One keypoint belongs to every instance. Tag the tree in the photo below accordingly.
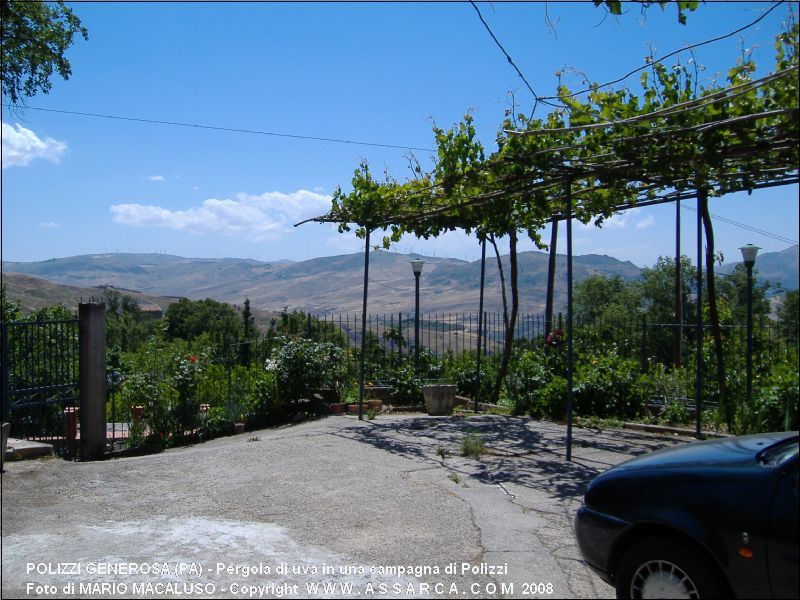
(126, 327)
(249, 334)
(9, 310)
(787, 316)
(35, 37)
(188, 319)
(605, 298)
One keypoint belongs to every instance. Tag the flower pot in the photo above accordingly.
(439, 399)
(337, 408)
(71, 423)
(375, 405)
(238, 428)
(136, 413)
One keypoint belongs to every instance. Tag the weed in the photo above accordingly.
(472, 445)
(442, 452)
(454, 478)
(371, 414)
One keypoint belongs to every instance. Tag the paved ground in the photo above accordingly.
(372, 504)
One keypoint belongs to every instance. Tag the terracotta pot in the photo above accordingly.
(136, 413)
(337, 408)
(238, 428)
(375, 405)
(71, 423)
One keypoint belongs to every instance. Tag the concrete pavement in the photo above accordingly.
(329, 508)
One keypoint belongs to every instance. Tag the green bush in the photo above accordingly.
(675, 413)
(775, 403)
(143, 389)
(551, 400)
(406, 387)
(185, 377)
(264, 406)
(216, 424)
(528, 375)
(605, 386)
(461, 370)
(303, 367)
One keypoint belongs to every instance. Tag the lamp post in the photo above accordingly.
(749, 253)
(416, 266)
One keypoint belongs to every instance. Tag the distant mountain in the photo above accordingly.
(781, 268)
(334, 284)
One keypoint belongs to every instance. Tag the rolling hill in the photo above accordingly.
(328, 284)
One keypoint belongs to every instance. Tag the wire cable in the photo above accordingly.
(228, 129)
(503, 50)
(745, 226)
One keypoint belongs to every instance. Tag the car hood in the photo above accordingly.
(716, 453)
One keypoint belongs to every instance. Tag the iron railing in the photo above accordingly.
(40, 381)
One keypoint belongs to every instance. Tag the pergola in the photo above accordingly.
(594, 168)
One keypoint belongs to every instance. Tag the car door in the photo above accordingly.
(782, 549)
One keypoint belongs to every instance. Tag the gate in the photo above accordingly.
(40, 382)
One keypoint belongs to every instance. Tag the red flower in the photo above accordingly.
(192, 358)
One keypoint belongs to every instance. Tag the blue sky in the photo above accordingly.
(380, 73)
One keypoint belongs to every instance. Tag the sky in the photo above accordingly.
(319, 88)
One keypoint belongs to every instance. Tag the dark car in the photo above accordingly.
(705, 520)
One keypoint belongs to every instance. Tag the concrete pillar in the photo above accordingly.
(92, 331)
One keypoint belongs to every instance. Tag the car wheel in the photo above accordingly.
(664, 568)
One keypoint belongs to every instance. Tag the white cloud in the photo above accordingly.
(50, 225)
(646, 222)
(156, 178)
(21, 146)
(266, 216)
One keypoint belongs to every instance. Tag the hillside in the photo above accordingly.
(329, 284)
(34, 293)
(781, 268)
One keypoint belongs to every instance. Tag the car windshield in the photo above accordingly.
(779, 453)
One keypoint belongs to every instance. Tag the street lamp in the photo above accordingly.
(416, 266)
(749, 253)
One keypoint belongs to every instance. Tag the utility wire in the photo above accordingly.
(503, 50)
(745, 226)
(228, 129)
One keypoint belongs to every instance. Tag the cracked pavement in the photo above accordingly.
(374, 507)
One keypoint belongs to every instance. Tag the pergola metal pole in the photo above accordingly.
(570, 359)
(749, 253)
(416, 323)
(480, 324)
(363, 330)
(698, 385)
(678, 308)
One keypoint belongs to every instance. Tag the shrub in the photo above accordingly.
(528, 375)
(216, 424)
(406, 388)
(774, 406)
(675, 413)
(143, 389)
(185, 376)
(302, 367)
(605, 386)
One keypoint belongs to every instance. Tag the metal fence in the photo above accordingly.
(440, 333)
(40, 381)
(457, 333)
